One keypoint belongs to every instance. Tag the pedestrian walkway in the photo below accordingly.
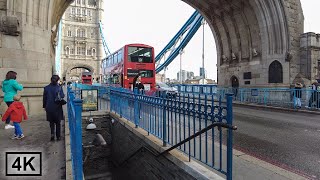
(37, 138)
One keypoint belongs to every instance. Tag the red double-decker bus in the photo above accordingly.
(86, 78)
(119, 68)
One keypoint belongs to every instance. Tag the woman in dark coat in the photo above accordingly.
(53, 110)
(137, 82)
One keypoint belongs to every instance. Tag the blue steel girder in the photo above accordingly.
(172, 42)
(195, 25)
(104, 43)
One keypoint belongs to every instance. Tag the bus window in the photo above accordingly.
(115, 79)
(139, 54)
(144, 73)
(119, 56)
(115, 58)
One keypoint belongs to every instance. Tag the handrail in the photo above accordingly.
(219, 124)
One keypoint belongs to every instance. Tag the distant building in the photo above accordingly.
(199, 81)
(160, 78)
(185, 75)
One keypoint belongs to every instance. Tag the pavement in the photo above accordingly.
(37, 139)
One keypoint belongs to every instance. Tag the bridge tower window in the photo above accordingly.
(83, 12)
(81, 33)
(67, 50)
(275, 72)
(78, 1)
(69, 33)
(83, 2)
(78, 11)
(71, 51)
(89, 52)
(73, 10)
(93, 52)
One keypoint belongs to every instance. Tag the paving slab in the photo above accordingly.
(37, 139)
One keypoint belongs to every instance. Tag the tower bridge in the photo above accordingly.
(260, 43)
(253, 37)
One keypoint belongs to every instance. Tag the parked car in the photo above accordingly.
(163, 87)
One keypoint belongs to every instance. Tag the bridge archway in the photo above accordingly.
(250, 34)
(68, 73)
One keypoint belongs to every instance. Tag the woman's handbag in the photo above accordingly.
(59, 100)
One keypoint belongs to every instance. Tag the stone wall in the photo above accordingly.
(143, 164)
(310, 56)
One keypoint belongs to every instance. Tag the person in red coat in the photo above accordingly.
(16, 111)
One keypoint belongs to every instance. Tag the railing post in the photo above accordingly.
(294, 97)
(164, 121)
(136, 107)
(78, 140)
(230, 134)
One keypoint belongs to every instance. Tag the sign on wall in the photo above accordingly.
(89, 99)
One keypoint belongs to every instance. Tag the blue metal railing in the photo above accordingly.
(174, 119)
(74, 106)
(276, 97)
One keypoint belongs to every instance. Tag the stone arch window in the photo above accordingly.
(67, 49)
(93, 52)
(275, 72)
(83, 2)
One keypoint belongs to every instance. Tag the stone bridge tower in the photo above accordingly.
(81, 41)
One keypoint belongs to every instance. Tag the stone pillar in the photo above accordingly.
(28, 29)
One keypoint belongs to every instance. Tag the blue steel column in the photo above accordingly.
(78, 140)
(230, 138)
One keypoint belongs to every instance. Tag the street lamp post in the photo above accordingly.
(165, 68)
(203, 76)
(181, 51)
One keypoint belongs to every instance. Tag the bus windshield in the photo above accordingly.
(139, 54)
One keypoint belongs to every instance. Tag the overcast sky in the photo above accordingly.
(155, 22)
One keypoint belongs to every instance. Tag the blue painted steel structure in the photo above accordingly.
(74, 106)
(104, 43)
(192, 25)
(175, 38)
(175, 119)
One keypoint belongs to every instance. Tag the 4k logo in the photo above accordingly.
(23, 164)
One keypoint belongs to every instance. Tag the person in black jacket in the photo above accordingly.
(53, 109)
(297, 95)
(137, 82)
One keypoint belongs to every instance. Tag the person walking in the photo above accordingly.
(53, 109)
(313, 97)
(297, 95)
(10, 88)
(17, 111)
